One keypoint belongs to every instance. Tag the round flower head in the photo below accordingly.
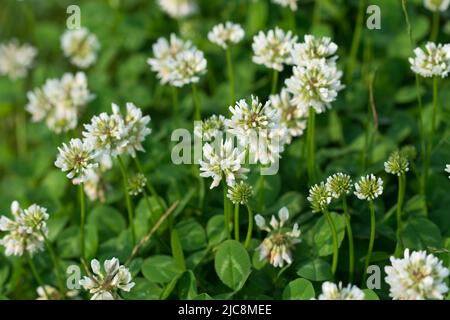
(314, 48)
(225, 34)
(416, 276)
(447, 169)
(369, 187)
(240, 193)
(136, 184)
(315, 84)
(80, 46)
(331, 291)
(436, 5)
(178, 9)
(222, 162)
(211, 128)
(187, 67)
(397, 164)
(292, 4)
(76, 159)
(16, 59)
(26, 232)
(277, 246)
(273, 49)
(433, 62)
(104, 284)
(319, 197)
(339, 184)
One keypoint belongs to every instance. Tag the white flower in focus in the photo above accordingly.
(273, 49)
(178, 9)
(104, 283)
(223, 162)
(80, 46)
(369, 187)
(292, 4)
(319, 197)
(16, 59)
(436, 5)
(416, 276)
(434, 61)
(339, 184)
(277, 246)
(397, 164)
(210, 128)
(331, 291)
(240, 193)
(314, 48)
(225, 34)
(187, 67)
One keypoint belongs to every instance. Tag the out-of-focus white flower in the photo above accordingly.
(136, 184)
(273, 49)
(26, 232)
(292, 4)
(314, 48)
(447, 169)
(277, 246)
(211, 128)
(369, 187)
(80, 46)
(331, 291)
(436, 5)
(397, 164)
(104, 283)
(315, 84)
(222, 162)
(434, 61)
(292, 118)
(16, 59)
(77, 159)
(178, 9)
(51, 293)
(416, 276)
(339, 184)
(225, 34)
(319, 197)
(187, 67)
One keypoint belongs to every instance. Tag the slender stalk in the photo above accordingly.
(371, 240)
(351, 250)
(335, 240)
(236, 221)
(37, 276)
(82, 218)
(435, 27)
(175, 101)
(316, 14)
(149, 184)
(250, 226)
(400, 199)
(261, 203)
(147, 202)
(274, 81)
(197, 108)
(225, 210)
(355, 41)
(230, 76)
(291, 17)
(310, 146)
(127, 199)
(56, 264)
(21, 133)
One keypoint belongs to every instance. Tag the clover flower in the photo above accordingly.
(434, 61)
(225, 34)
(331, 291)
(397, 164)
(315, 84)
(26, 232)
(447, 169)
(292, 4)
(212, 127)
(104, 283)
(80, 46)
(314, 48)
(339, 184)
(240, 193)
(16, 59)
(136, 184)
(187, 67)
(77, 159)
(369, 187)
(278, 244)
(273, 49)
(178, 9)
(436, 5)
(223, 162)
(416, 276)
(319, 197)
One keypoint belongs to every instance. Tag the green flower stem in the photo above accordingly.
(127, 199)
(225, 210)
(400, 199)
(261, 183)
(335, 240)
(197, 107)
(291, 18)
(356, 40)
(21, 133)
(371, 240)
(175, 101)
(351, 250)
(250, 226)
(435, 27)
(274, 81)
(316, 14)
(230, 76)
(147, 202)
(310, 146)
(236, 221)
(56, 264)
(36, 275)
(149, 184)
(82, 218)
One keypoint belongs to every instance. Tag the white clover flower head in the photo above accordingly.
(369, 187)
(104, 283)
(273, 49)
(434, 61)
(397, 164)
(76, 158)
(319, 197)
(80, 46)
(222, 162)
(277, 246)
(416, 276)
(187, 67)
(292, 118)
(226, 34)
(292, 4)
(339, 184)
(16, 59)
(26, 232)
(240, 193)
(436, 5)
(211, 128)
(447, 169)
(178, 9)
(331, 291)
(136, 184)
(315, 84)
(314, 48)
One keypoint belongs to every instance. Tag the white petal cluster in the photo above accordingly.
(51, 293)
(225, 34)
(319, 197)
(292, 4)
(59, 102)
(339, 184)
(211, 128)
(273, 49)
(277, 246)
(26, 232)
(16, 59)
(104, 283)
(436, 5)
(178, 9)
(434, 61)
(331, 291)
(397, 164)
(80, 46)
(222, 161)
(314, 48)
(188, 66)
(447, 169)
(416, 276)
(369, 187)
